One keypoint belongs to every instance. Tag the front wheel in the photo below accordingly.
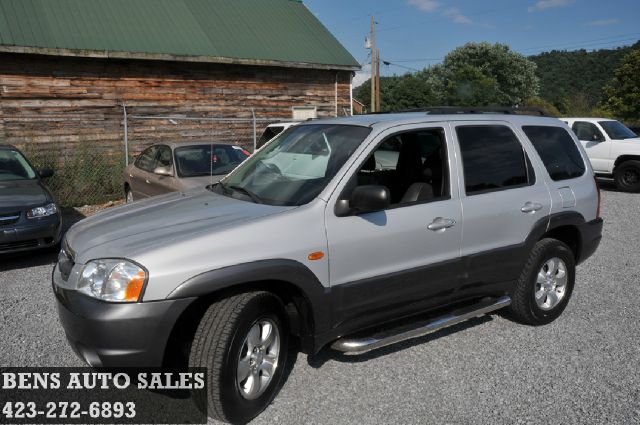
(243, 341)
(627, 176)
(128, 196)
(545, 284)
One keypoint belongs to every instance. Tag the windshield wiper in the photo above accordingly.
(255, 198)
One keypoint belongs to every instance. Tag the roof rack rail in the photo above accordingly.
(508, 110)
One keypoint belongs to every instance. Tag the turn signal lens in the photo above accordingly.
(318, 255)
(134, 288)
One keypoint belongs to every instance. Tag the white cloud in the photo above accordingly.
(362, 76)
(457, 17)
(549, 4)
(425, 5)
(602, 22)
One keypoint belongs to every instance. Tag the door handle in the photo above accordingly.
(147, 180)
(440, 223)
(531, 207)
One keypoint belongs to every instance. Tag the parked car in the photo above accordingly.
(272, 130)
(172, 167)
(29, 216)
(614, 150)
(309, 239)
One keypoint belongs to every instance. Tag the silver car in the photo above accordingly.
(313, 238)
(180, 166)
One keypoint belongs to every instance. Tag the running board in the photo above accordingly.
(354, 346)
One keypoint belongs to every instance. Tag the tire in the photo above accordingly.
(223, 337)
(128, 196)
(627, 176)
(536, 300)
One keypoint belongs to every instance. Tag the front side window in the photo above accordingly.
(616, 130)
(147, 159)
(412, 165)
(492, 158)
(295, 167)
(204, 160)
(14, 166)
(587, 131)
(557, 150)
(164, 157)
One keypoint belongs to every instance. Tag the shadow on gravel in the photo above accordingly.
(327, 353)
(608, 185)
(40, 257)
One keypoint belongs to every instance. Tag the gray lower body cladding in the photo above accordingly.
(118, 335)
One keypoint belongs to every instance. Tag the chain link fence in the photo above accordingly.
(89, 169)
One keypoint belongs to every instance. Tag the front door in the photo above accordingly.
(404, 259)
(159, 183)
(595, 143)
(142, 172)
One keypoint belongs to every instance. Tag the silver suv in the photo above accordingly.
(315, 238)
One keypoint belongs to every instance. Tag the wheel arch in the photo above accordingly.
(564, 227)
(305, 299)
(624, 158)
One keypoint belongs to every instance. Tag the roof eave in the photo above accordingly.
(106, 54)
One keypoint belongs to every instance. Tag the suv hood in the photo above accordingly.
(124, 231)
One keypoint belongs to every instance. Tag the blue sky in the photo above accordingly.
(412, 34)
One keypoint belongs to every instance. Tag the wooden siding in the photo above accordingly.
(57, 103)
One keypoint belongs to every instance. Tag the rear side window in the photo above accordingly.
(557, 150)
(492, 158)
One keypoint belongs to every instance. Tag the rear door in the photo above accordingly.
(502, 200)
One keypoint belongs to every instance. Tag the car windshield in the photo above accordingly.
(14, 166)
(616, 130)
(204, 160)
(295, 167)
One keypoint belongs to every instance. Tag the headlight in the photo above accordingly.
(112, 280)
(44, 211)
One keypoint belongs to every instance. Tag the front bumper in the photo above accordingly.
(118, 335)
(29, 234)
(591, 233)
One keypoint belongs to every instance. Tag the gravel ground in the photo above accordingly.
(583, 368)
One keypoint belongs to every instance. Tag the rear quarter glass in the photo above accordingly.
(557, 150)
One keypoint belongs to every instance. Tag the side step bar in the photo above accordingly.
(354, 346)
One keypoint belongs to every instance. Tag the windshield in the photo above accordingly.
(204, 160)
(14, 166)
(295, 167)
(616, 130)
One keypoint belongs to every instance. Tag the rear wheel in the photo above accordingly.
(627, 176)
(545, 285)
(243, 341)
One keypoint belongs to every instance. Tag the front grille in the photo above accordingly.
(19, 245)
(9, 218)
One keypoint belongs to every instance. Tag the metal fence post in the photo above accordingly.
(126, 136)
(255, 140)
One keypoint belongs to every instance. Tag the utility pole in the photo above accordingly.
(377, 80)
(373, 65)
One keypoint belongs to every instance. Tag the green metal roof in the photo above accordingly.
(277, 32)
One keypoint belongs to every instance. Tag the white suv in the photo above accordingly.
(613, 149)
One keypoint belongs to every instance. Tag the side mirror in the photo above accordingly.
(364, 199)
(163, 171)
(45, 173)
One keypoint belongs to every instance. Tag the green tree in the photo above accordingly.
(623, 92)
(479, 74)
